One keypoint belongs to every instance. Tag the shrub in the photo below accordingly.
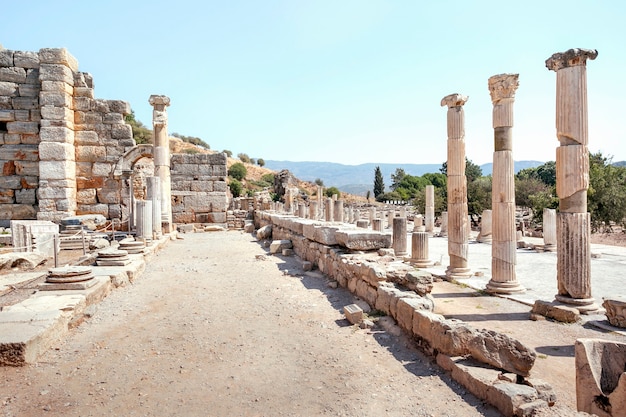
(236, 187)
(238, 171)
(243, 157)
(332, 190)
(228, 153)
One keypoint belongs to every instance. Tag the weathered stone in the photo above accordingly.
(419, 281)
(501, 351)
(362, 239)
(556, 311)
(278, 245)
(8, 88)
(353, 313)
(58, 56)
(615, 311)
(13, 75)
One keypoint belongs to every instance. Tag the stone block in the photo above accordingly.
(56, 134)
(6, 57)
(13, 74)
(102, 169)
(18, 211)
(56, 151)
(24, 116)
(8, 89)
(7, 115)
(86, 137)
(28, 128)
(83, 103)
(87, 196)
(109, 195)
(29, 139)
(28, 90)
(112, 118)
(119, 106)
(25, 103)
(7, 196)
(57, 170)
(10, 182)
(216, 217)
(362, 239)
(556, 311)
(19, 153)
(615, 311)
(353, 313)
(84, 92)
(201, 186)
(26, 59)
(601, 377)
(26, 196)
(53, 98)
(278, 245)
(121, 131)
(58, 56)
(419, 281)
(55, 72)
(88, 153)
(27, 169)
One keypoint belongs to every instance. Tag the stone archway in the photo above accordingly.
(132, 168)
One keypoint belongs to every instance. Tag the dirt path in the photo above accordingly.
(216, 327)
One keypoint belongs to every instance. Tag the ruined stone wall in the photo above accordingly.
(58, 143)
(199, 189)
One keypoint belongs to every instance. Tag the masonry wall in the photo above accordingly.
(199, 189)
(58, 143)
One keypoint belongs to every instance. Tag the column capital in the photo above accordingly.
(454, 100)
(156, 100)
(570, 58)
(503, 86)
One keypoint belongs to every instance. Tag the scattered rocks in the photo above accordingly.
(556, 311)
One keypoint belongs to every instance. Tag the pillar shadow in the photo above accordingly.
(564, 350)
(490, 317)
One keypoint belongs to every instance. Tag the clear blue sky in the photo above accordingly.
(341, 81)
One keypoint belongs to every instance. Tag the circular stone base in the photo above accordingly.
(496, 287)
(583, 305)
(458, 272)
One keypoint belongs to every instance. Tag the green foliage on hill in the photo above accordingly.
(238, 171)
(141, 133)
(332, 190)
(192, 139)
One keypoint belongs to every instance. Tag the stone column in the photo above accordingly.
(549, 230)
(144, 220)
(338, 211)
(486, 231)
(429, 212)
(443, 230)
(399, 238)
(419, 250)
(390, 216)
(313, 210)
(372, 214)
(329, 210)
(153, 192)
(301, 210)
(572, 178)
(457, 188)
(504, 243)
(320, 201)
(377, 225)
(162, 157)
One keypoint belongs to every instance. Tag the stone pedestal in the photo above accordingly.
(313, 210)
(504, 241)
(328, 210)
(572, 179)
(485, 235)
(153, 191)
(301, 210)
(418, 223)
(549, 230)
(377, 225)
(429, 212)
(338, 211)
(372, 214)
(390, 216)
(419, 250)
(162, 157)
(457, 188)
(399, 242)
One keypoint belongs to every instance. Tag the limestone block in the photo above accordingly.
(87, 117)
(53, 98)
(86, 137)
(13, 74)
(101, 209)
(59, 87)
(26, 59)
(25, 103)
(119, 106)
(419, 281)
(600, 377)
(264, 232)
(7, 115)
(121, 131)
(57, 170)
(405, 311)
(87, 153)
(27, 169)
(363, 239)
(83, 92)
(217, 217)
(8, 89)
(56, 134)
(87, 196)
(83, 103)
(29, 139)
(24, 116)
(26, 196)
(102, 169)
(7, 196)
(615, 311)
(353, 313)
(55, 72)
(55, 193)
(28, 128)
(501, 351)
(30, 181)
(112, 118)
(56, 151)
(11, 139)
(6, 57)
(278, 245)
(10, 182)
(201, 186)
(58, 56)
(18, 211)
(556, 311)
(28, 90)
(84, 169)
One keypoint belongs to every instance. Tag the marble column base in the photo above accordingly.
(509, 287)
(458, 273)
(583, 305)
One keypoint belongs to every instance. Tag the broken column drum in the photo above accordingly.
(419, 250)
(443, 231)
(429, 211)
(549, 230)
(153, 192)
(143, 209)
(503, 280)
(486, 230)
(572, 179)
(328, 210)
(399, 239)
(338, 211)
(313, 210)
(458, 228)
(162, 157)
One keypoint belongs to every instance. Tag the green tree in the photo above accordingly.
(141, 133)
(397, 177)
(243, 157)
(379, 185)
(368, 195)
(260, 162)
(236, 187)
(252, 161)
(606, 197)
(479, 195)
(228, 153)
(332, 190)
(238, 171)
(319, 182)
(545, 173)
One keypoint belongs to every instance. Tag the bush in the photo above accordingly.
(332, 190)
(236, 187)
(269, 178)
(228, 153)
(243, 157)
(260, 162)
(238, 171)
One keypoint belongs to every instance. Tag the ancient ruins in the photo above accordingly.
(69, 158)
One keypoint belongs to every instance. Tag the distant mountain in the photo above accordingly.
(620, 164)
(358, 179)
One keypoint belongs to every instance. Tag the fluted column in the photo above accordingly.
(143, 208)
(572, 178)
(399, 237)
(153, 193)
(162, 157)
(429, 212)
(328, 210)
(504, 243)
(443, 232)
(486, 227)
(313, 210)
(458, 230)
(338, 211)
(419, 250)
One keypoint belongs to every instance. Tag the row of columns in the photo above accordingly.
(572, 162)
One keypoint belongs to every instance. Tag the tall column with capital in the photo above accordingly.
(162, 157)
(504, 243)
(572, 179)
(458, 230)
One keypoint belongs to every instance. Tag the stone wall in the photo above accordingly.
(199, 189)
(58, 143)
